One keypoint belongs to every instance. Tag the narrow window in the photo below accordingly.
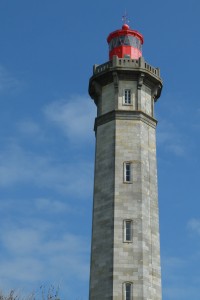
(128, 291)
(127, 96)
(128, 231)
(127, 172)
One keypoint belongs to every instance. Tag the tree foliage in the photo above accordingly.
(44, 293)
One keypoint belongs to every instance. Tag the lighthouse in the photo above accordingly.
(125, 249)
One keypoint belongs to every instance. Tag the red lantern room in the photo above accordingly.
(125, 43)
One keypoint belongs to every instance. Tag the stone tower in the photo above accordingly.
(125, 252)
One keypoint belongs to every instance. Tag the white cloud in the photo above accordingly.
(25, 241)
(7, 81)
(173, 262)
(29, 128)
(52, 206)
(176, 149)
(171, 267)
(18, 166)
(194, 225)
(34, 254)
(18, 269)
(37, 239)
(74, 116)
(21, 240)
(182, 292)
(177, 286)
(21, 166)
(169, 138)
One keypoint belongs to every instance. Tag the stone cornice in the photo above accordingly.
(125, 115)
(125, 69)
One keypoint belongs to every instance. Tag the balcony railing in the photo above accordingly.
(126, 63)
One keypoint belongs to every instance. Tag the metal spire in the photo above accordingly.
(125, 18)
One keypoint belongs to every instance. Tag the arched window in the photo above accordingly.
(128, 231)
(128, 291)
(128, 172)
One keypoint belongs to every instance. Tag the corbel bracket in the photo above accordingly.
(95, 91)
(156, 92)
(140, 81)
(115, 80)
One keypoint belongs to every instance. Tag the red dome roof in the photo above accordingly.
(125, 27)
(125, 31)
(125, 42)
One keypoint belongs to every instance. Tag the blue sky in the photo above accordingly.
(47, 50)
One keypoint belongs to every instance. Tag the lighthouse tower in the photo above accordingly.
(125, 251)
